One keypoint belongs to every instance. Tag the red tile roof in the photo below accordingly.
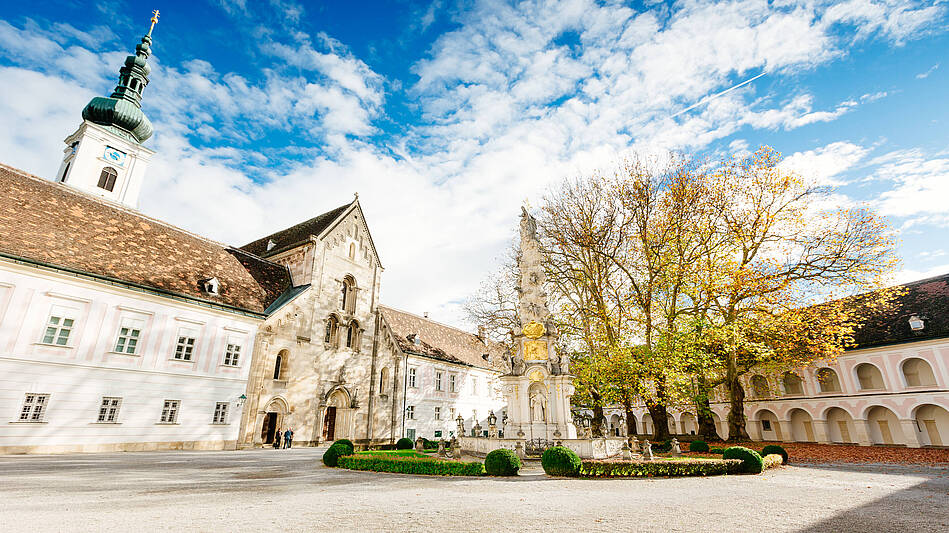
(442, 342)
(53, 224)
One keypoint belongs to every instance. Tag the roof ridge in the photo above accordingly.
(430, 320)
(115, 205)
(311, 219)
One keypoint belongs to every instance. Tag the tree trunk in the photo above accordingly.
(736, 395)
(703, 411)
(596, 426)
(660, 421)
(631, 428)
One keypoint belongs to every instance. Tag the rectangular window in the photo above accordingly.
(438, 413)
(410, 434)
(220, 413)
(451, 383)
(109, 410)
(169, 412)
(129, 334)
(184, 348)
(474, 386)
(412, 375)
(58, 328)
(232, 355)
(34, 407)
(438, 381)
(410, 412)
(766, 425)
(438, 434)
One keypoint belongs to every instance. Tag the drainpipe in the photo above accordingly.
(405, 388)
(372, 377)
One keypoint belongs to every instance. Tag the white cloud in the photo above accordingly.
(918, 185)
(515, 99)
(924, 75)
(825, 164)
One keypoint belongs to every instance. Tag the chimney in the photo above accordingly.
(481, 332)
(425, 314)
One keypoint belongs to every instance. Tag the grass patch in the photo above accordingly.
(428, 466)
(393, 453)
(665, 468)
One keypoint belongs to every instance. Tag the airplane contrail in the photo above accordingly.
(714, 96)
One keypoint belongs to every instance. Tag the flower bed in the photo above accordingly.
(392, 453)
(677, 468)
(411, 465)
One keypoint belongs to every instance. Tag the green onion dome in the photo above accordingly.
(121, 112)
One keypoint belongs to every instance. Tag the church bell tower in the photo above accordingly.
(105, 155)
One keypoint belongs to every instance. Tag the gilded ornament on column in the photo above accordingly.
(536, 375)
(534, 330)
(535, 350)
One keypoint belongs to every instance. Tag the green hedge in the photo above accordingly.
(772, 460)
(560, 461)
(411, 465)
(699, 446)
(774, 448)
(752, 463)
(659, 468)
(716, 450)
(337, 450)
(404, 443)
(502, 462)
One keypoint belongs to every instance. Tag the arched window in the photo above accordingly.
(383, 380)
(348, 300)
(869, 377)
(332, 331)
(759, 386)
(827, 379)
(918, 373)
(352, 335)
(792, 383)
(281, 365)
(352, 251)
(107, 178)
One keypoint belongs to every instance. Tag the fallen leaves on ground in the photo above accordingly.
(803, 452)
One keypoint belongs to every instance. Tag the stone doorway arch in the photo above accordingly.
(272, 419)
(337, 415)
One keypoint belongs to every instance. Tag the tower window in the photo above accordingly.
(107, 178)
(65, 171)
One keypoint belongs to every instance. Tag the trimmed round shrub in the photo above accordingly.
(404, 443)
(560, 461)
(337, 450)
(774, 448)
(751, 461)
(346, 442)
(502, 462)
(699, 446)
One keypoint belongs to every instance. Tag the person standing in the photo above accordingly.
(288, 438)
(276, 440)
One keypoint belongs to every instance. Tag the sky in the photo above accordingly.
(447, 116)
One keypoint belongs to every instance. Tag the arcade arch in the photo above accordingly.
(840, 426)
(918, 373)
(802, 426)
(883, 426)
(869, 377)
(932, 425)
(769, 425)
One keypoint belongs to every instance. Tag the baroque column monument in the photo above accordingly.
(539, 386)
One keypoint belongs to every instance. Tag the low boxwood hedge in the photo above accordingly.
(337, 450)
(404, 443)
(774, 448)
(699, 446)
(502, 462)
(752, 463)
(716, 450)
(659, 468)
(411, 465)
(560, 461)
(772, 460)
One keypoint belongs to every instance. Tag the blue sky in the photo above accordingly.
(446, 116)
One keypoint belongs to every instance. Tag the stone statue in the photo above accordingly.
(647, 450)
(634, 444)
(676, 451)
(441, 448)
(518, 366)
(532, 304)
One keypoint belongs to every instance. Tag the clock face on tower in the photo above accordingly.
(116, 157)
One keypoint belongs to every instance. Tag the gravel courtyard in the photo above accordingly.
(290, 490)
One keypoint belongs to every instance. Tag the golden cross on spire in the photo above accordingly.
(154, 21)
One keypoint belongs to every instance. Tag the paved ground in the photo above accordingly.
(290, 490)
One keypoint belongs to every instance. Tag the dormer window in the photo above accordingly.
(211, 286)
(416, 340)
(916, 323)
(271, 245)
(106, 178)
